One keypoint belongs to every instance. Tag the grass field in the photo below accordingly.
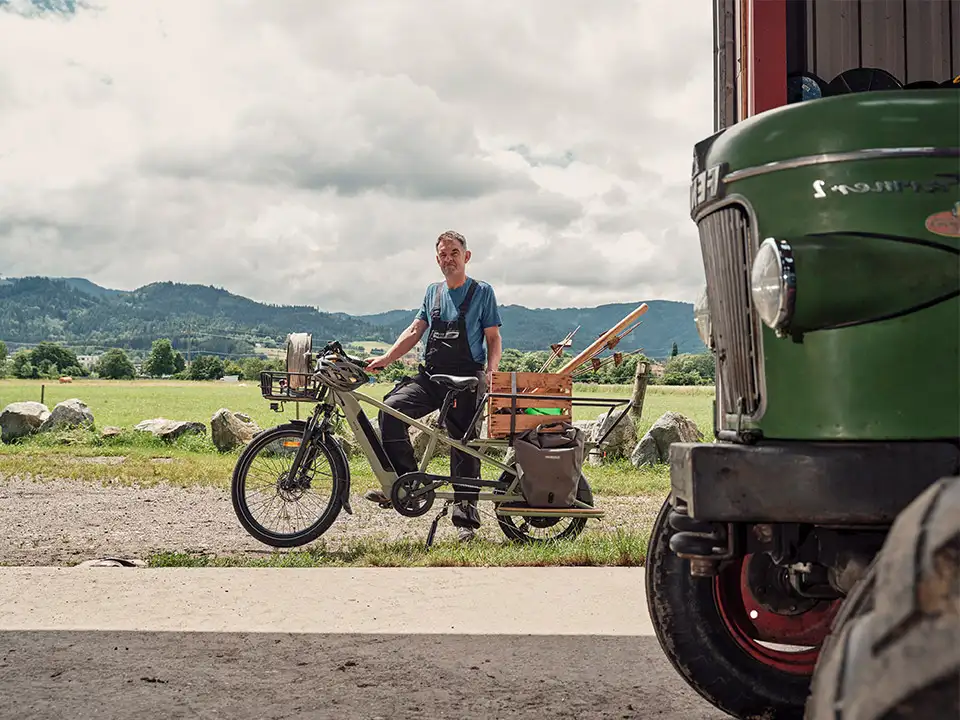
(193, 460)
(125, 403)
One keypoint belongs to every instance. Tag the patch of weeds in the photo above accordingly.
(619, 548)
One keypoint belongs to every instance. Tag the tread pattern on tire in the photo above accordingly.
(242, 512)
(894, 649)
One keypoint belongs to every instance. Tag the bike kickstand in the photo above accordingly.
(436, 521)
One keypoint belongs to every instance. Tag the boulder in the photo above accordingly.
(111, 431)
(69, 413)
(20, 419)
(419, 439)
(348, 444)
(654, 446)
(585, 425)
(619, 442)
(170, 429)
(230, 430)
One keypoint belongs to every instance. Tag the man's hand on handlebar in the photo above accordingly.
(375, 364)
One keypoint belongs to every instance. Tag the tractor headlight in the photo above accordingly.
(701, 317)
(774, 283)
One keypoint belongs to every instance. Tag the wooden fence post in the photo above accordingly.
(640, 378)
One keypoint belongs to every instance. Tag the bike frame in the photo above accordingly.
(376, 454)
(372, 448)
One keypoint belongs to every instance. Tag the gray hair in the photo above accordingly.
(452, 235)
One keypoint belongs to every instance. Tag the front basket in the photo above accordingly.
(290, 386)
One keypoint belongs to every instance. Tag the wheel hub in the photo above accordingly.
(754, 625)
(290, 489)
(769, 586)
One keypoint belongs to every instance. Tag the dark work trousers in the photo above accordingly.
(419, 396)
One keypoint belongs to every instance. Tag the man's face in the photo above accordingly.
(451, 257)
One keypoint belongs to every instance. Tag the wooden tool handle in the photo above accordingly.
(598, 344)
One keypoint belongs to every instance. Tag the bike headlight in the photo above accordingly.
(774, 283)
(701, 317)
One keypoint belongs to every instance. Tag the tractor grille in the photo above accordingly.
(728, 246)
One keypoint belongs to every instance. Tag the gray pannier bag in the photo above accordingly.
(550, 464)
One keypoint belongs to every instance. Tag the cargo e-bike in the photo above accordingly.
(282, 469)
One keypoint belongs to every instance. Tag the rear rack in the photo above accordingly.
(291, 386)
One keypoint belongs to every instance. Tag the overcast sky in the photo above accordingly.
(310, 151)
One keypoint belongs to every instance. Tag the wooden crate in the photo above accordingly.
(526, 393)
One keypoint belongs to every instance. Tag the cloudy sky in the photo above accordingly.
(310, 151)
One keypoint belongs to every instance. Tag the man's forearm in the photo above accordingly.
(494, 350)
(408, 338)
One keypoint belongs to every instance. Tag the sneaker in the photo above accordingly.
(466, 534)
(377, 496)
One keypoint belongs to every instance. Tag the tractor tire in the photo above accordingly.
(709, 651)
(894, 649)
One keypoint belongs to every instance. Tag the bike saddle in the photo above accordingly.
(456, 382)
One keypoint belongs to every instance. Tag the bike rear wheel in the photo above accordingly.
(263, 468)
(534, 530)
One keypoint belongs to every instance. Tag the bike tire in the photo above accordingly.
(238, 480)
(513, 532)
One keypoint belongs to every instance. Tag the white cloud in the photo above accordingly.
(309, 151)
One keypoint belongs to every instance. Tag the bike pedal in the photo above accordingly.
(385, 505)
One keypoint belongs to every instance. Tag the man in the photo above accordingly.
(461, 315)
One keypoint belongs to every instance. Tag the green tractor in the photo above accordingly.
(807, 562)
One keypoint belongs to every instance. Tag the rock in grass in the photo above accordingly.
(669, 428)
(20, 419)
(349, 444)
(420, 440)
(111, 431)
(230, 429)
(69, 413)
(170, 429)
(619, 433)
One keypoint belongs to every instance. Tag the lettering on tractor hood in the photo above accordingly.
(942, 182)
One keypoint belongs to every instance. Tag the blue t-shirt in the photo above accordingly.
(482, 313)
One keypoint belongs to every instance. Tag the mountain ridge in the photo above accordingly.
(79, 312)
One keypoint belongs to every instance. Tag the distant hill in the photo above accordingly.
(90, 288)
(82, 314)
(195, 317)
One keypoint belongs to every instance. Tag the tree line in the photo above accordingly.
(680, 369)
(50, 360)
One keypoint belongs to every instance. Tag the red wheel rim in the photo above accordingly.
(749, 624)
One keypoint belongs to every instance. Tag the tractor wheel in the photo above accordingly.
(894, 651)
(746, 660)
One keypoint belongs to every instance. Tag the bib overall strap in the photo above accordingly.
(435, 310)
(466, 301)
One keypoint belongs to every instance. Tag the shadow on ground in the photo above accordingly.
(258, 676)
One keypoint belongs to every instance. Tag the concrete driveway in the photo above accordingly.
(333, 643)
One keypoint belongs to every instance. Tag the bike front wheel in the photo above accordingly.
(264, 493)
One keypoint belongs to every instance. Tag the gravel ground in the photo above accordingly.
(252, 676)
(64, 522)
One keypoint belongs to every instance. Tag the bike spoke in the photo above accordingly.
(279, 503)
